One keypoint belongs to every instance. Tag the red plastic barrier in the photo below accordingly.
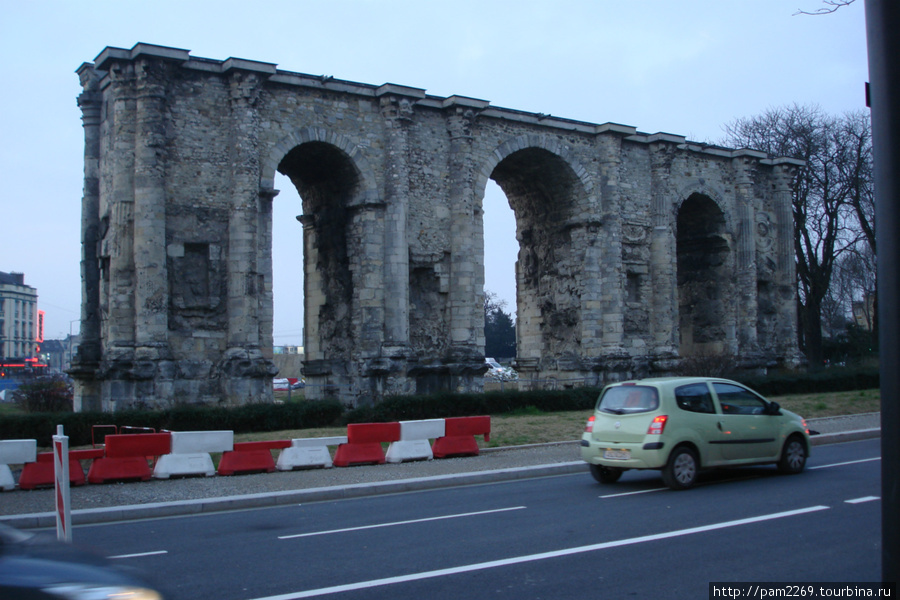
(459, 436)
(126, 457)
(250, 457)
(364, 441)
(40, 474)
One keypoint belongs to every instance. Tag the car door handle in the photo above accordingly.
(719, 425)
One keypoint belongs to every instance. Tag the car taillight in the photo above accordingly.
(657, 426)
(589, 428)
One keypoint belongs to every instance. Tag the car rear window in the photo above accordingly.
(629, 399)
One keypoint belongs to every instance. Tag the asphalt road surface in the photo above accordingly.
(547, 538)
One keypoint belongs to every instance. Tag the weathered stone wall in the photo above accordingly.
(636, 250)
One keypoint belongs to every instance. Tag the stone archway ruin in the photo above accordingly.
(615, 276)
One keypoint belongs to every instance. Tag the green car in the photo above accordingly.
(680, 425)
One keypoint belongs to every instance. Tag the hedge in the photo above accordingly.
(308, 414)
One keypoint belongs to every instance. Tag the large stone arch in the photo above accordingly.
(547, 190)
(180, 161)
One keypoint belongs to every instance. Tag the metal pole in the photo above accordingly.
(882, 23)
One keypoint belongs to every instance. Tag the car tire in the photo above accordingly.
(793, 456)
(682, 469)
(606, 474)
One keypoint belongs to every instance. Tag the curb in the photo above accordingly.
(844, 436)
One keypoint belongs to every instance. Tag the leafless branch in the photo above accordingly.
(830, 7)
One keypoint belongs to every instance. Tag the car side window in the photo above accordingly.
(694, 398)
(629, 399)
(736, 400)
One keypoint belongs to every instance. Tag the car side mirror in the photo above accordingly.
(773, 409)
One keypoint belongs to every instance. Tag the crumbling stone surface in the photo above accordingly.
(636, 250)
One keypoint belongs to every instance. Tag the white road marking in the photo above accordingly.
(841, 464)
(863, 499)
(457, 516)
(140, 554)
(633, 493)
(536, 557)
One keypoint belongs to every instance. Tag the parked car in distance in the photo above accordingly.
(36, 566)
(498, 372)
(681, 425)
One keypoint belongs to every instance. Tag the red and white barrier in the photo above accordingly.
(250, 457)
(459, 436)
(413, 443)
(126, 457)
(364, 441)
(190, 454)
(40, 473)
(308, 453)
(14, 452)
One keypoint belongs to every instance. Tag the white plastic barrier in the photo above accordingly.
(413, 443)
(14, 452)
(190, 453)
(305, 453)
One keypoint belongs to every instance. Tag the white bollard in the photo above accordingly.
(190, 453)
(413, 443)
(14, 452)
(61, 469)
(306, 453)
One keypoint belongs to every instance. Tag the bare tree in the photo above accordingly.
(830, 7)
(835, 181)
(854, 284)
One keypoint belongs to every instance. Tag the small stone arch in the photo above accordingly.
(706, 282)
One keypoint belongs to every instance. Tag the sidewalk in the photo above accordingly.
(196, 495)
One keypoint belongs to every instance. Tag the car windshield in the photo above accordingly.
(624, 399)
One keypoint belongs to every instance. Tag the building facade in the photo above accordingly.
(20, 320)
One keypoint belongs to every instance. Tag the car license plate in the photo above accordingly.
(611, 454)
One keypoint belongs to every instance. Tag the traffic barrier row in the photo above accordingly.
(142, 456)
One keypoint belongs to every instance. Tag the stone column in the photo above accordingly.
(117, 246)
(244, 367)
(606, 308)
(152, 284)
(466, 236)
(745, 307)
(313, 291)
(87, 359)
(267, 299)
(397, 111)
(784, 174)
(663, 259)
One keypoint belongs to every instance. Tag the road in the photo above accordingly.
(554, 537)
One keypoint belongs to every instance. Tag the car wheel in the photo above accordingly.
(606, 474)
(793, 456)
(681, 471)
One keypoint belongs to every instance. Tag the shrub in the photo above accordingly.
(51, 393)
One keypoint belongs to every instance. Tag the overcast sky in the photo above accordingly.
(684, 67)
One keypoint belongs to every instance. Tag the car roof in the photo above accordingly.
(671, 381)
